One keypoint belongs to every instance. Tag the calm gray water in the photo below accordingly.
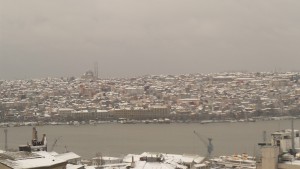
(122, 139)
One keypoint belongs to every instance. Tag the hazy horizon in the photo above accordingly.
(131, 38)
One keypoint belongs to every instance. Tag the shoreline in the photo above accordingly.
(146, 122)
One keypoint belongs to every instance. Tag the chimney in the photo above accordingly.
(44, 140)
(132, 163)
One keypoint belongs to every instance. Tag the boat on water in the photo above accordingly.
(92, 122)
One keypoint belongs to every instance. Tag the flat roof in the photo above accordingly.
(26, 160)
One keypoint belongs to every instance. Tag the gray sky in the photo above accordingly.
(40, 38)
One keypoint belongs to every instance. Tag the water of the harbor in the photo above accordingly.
(122, 139)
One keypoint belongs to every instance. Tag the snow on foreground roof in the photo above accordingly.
(185, 158)
(170, 159)
(68, 156)
(71, 166)
(296, 162)
(155, 165)
(35, 163)
(154, 160)
(26, 160)
(20, 160)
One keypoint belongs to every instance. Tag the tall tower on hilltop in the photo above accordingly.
(96, 70)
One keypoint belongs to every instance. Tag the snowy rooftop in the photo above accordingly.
(155, 165)
(174, 159)
(68, 156)
(296, 162)
(70, 166)
(24, 160)
(286, 131)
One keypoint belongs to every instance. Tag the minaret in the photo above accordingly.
(96, 70)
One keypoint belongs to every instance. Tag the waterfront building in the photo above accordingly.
(283, 139)
(153, 112)
(283, 152)
(88, 114)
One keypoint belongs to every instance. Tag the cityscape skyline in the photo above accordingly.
(157, 84)
(132, 38)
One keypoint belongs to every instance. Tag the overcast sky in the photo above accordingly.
(41, 38)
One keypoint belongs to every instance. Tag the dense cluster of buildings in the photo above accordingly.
(220, 96)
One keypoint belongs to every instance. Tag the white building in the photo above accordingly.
(283, 139)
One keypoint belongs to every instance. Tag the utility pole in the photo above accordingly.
(293, 138)
(5, 132)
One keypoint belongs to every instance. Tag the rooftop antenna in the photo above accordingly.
(66, 149)
(99, 160)
(54, 144)
(264, 137)
(5, 132)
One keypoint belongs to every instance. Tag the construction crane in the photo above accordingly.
(55, 141)
(207, 143)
